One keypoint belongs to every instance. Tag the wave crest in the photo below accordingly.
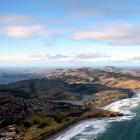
(91, 128)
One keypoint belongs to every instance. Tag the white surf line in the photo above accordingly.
(80, 128)
(100, 125)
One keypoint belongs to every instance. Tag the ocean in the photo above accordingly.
(7, 80)
(119, 128)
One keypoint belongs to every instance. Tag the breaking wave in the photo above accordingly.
(90, 129)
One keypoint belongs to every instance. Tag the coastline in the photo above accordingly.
(61, 131)
(95, 113)
(77, 122)
(67, 128)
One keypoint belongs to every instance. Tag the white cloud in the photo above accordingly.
(13, 59)
(83, 59)
(57, 56)
(122, 34)
(48, 57)
(88, 55)
(24, 32)
(134, 59)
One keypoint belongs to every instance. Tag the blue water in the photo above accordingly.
(119, 128)
(124, 130)
(7, 80)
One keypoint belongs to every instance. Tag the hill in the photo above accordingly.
(75, 94)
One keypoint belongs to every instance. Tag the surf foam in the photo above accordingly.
(91, 128)
(81, 129)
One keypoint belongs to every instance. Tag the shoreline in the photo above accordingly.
(67, 128)
(73, 124)
(94, 113)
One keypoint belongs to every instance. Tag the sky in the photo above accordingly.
(59, 33)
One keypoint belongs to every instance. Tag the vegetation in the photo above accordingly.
(41, 107)
(39, 127)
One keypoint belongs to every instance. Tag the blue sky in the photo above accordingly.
(69, 32)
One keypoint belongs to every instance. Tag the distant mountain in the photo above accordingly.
(55, 89)
(72, 84)
(110, 68)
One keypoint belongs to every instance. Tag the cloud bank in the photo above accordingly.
(120, 34)
(87, 56)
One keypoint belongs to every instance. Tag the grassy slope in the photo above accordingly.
(52, 89)
(60, 90)
(42, 126)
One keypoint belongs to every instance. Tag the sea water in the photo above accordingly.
(126, 127)
(7, 80)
